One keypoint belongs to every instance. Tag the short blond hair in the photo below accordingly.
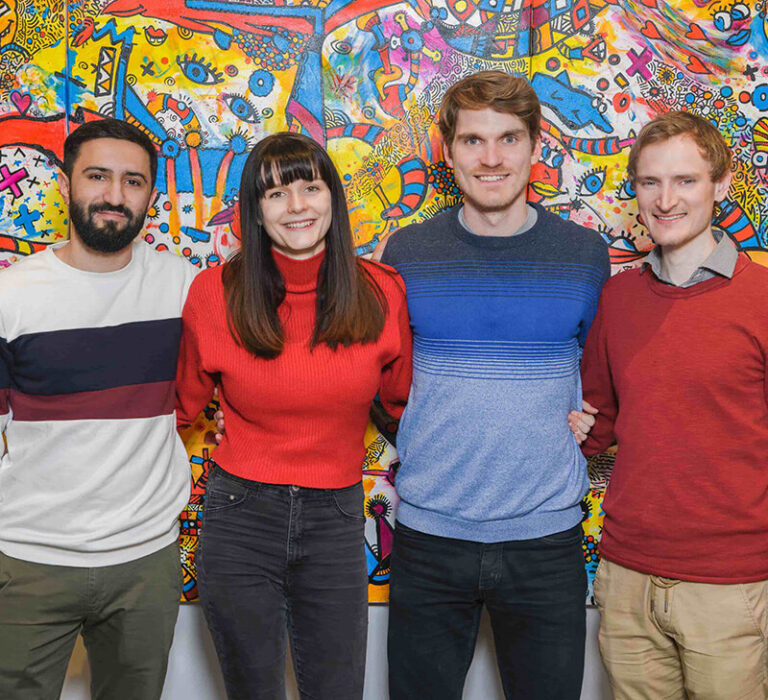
(665, 126)
(492, 89)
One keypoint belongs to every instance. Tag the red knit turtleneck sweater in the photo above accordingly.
(299, 418)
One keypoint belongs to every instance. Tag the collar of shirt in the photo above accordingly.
(531, 218)
(721, 261)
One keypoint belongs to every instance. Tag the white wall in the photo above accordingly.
(193, 671)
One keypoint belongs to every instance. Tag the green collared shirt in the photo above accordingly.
(721, 261)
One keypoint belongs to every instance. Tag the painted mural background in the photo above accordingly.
(206, 79)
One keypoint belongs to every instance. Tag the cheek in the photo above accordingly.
(270, 214)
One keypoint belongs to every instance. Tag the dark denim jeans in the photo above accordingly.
(273, 559)
(535, 594)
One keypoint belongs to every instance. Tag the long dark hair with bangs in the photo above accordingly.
(351, 306)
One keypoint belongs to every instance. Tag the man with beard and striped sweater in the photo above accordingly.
(95, 475)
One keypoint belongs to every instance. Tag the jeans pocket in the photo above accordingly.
(755, 597)
(596, 584)
(223, 493)
(350, 502)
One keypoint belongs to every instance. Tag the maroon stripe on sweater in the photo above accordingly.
(4, 393)
(134, 401)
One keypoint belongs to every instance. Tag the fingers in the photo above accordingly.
(588, 407)
(219, 418)
(580, 424)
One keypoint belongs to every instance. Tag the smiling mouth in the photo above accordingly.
(112, 214)
(491, 178)
(298, 225)
(668, 217)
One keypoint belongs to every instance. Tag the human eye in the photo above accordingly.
(273, 194)
(98, 177)
(510, 138)
(134, 182)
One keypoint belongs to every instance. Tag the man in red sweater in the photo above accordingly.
(675, 363)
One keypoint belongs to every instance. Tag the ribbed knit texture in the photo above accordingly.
(299, 418)
(484, 442)
(679, 376)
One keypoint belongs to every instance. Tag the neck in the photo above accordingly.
(496, 223)
(678, 263)
(77, 255)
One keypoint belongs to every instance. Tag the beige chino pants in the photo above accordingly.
(661, 638)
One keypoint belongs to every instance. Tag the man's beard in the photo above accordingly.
(110, 237)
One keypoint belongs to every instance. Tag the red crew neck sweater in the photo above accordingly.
(299, 418)
(679, 376)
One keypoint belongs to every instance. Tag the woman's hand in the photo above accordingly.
(581, 422)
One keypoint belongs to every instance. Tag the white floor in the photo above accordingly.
(193, 671)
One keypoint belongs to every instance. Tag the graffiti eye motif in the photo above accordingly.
(591, 183)
(198, 70)
(625, 191)
(723, 21)
(740, 11)
(242, 108)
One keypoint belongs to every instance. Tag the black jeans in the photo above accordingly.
(535, 593)
(275, 558)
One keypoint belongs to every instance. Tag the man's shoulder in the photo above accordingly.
(619, 285)
(25, 270)
(415, 240)
(164, 262)
(573, 233)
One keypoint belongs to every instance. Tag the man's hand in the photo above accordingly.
(581, 422)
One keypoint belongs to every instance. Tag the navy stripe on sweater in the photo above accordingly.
(93, 359)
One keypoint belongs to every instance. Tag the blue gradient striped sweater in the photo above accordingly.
(498, 326)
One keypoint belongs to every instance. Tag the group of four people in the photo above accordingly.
(476, 321)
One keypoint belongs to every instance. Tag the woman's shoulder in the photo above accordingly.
(207, 289)
(388, 279)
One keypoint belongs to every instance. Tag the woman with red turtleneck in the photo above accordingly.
(300, 336)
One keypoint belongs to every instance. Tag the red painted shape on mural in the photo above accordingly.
(695, 32)
(650, 30)
(695, 65)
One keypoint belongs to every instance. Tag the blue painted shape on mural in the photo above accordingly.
(210, 162)
(26, 220)
(161, 182)
(234, 175)
(183, 172)
(575, 107)
(196, 234)
(305, 105)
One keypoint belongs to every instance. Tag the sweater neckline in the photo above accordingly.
(299, 276)
(494, 242)
(668, 290)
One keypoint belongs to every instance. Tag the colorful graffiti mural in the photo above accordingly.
(207, 79)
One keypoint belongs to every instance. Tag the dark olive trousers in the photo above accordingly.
(125, 612)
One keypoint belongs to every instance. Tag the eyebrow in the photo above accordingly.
(129, 173)
(473, 135)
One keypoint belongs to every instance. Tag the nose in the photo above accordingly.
(113, 193)
(491, 154)
(296, 202)
(667, 197)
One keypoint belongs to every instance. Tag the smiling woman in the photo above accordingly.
(301, 336)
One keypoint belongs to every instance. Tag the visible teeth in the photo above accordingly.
(491, 178)
(300, 224)
(673, 217)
